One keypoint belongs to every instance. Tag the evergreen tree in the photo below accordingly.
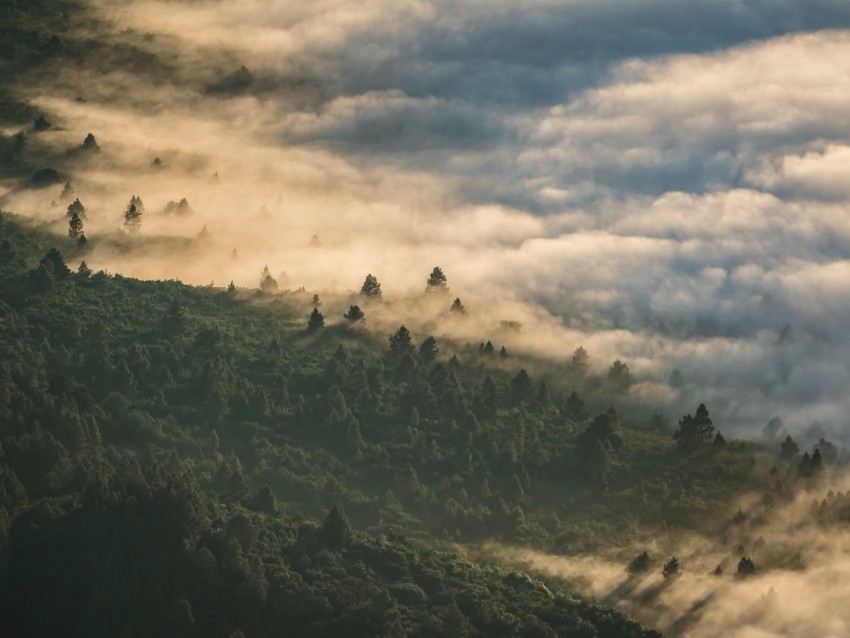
(371, 287)
(746, 567)
(75, 227)
(41, 123)
(580, 364)
(316, 321)
(336, 531)
(84, 270)
(55, 264)
(76, 207)
(429, 350)
(694, 431)
(672, 569)
(132, 218)
(805, 466)
(401, 343)
(354, 314)
(67, 192)
(457, 307)
(816, 464)
(574, 408)
(640, 563)
(269, 285)
(619, 376)
(137, 201)
(522, 388)
(90, 143)
(437, 281)
(789, 450)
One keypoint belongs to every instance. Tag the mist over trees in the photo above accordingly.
(261, 457)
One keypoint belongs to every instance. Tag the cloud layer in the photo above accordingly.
(657, 182)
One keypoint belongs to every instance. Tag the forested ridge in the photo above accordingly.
(182, 460)
(169, 453)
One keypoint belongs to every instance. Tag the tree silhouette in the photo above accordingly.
(437, 281)
(269, 284)
(135, 199)
(694, 431)
(789, 450)
(401, 343)
(672, 569)
(580, 363)
(746, 567)
(76, 207)
(132, 218)
(428, 350)
(75, 227)
(457, 307)
(67, 192)
(640, 563)
(354, 314)
(619, 376)
(41, 123)
(55, 264)
(371, 287)
(522, 388)
(90, 143)
(336, 531)
(316, 321)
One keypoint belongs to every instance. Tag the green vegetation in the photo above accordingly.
(164, 449)
(220, 462)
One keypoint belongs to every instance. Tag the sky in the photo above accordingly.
(658, 181)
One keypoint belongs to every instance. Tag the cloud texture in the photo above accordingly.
(663, 182)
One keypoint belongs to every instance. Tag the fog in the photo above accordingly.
(798, 587)
(656, 183)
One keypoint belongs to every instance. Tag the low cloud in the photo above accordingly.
(653, 186)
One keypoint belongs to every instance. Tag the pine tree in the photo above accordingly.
(401, 343)
(76, 207)
(41, 123)
(67, 192)
(55, 264)
(619, 376)
(580, 363)
(354, 314)
(84, 270)
(90, 143)
(428, 350)
(694, 431)
(316, 321)
(672, 569)
(371, 287)
(132, 218)
(746, 567)
(75, 227)
(457, 306)
(437, 281)
(789, 450)
(336, 531)
(640, 563)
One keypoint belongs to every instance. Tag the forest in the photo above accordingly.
(261, 459)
